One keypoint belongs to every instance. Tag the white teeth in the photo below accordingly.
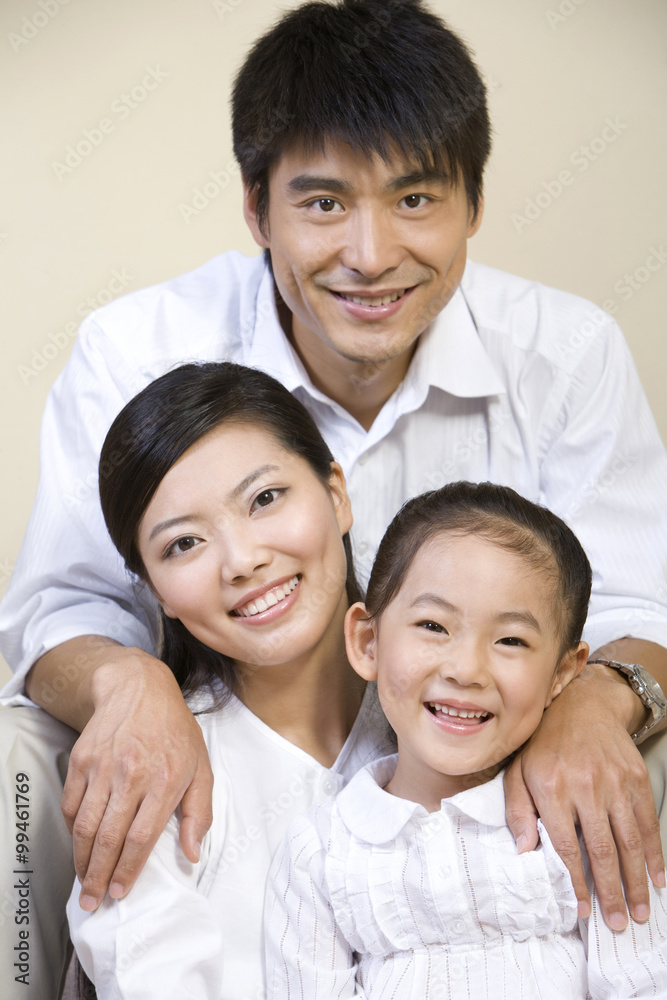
(383, 300)
(268, 600)
(459, 713)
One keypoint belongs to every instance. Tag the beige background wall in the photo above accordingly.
(156, 74)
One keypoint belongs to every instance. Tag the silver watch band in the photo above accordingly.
(645, 687)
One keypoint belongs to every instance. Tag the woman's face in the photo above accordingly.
(243, 543)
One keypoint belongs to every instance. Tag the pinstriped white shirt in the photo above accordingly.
(371, 896)
(512, 382)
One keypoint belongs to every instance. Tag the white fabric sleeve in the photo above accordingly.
(163, 940)
(629, 963)
(604, 471)
(306, 954)
(69, 580)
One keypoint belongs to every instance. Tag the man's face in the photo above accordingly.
(365, 252)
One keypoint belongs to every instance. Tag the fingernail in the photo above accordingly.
(116, 891)
(584, 909)
(618, 921)
(88, 903)
(660, 881)
(197, 850)
(521, 842)
(641, 913)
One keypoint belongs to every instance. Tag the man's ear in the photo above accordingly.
(341, 500)
(476, 220)
(361, 641)
(569, 667)
(250, 216)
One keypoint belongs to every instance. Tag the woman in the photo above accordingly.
(222, 497)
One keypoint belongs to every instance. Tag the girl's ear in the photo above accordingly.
(341, 500)
(361, 641)
(569, 667)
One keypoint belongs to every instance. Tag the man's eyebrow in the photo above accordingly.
(417, 177)
(312, 182)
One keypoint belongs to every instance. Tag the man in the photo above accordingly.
(362, 167)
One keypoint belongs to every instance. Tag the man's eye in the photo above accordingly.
(415, 200)
(431, 626)
(327, 204)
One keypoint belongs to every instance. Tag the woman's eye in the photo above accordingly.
(266, 498)
(183, 544)
(415, 200)
(431, 626)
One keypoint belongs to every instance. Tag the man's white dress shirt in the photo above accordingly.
(512, 382)
(372, 896)
(194, 931)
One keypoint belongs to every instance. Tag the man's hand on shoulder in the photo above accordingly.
(582, 768)
(140, 753)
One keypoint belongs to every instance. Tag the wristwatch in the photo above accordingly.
(645, 687)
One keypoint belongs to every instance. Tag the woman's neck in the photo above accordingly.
(312, 701)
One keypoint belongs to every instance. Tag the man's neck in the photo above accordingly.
(362, 388)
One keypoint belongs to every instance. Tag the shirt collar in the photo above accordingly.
(449, 355)
(376, 817)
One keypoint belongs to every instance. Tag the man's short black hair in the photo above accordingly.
(379, 76)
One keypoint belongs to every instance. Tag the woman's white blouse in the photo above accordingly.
(194, 931)
(371, 896)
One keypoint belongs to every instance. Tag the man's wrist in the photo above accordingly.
(600, 684)
(646, 689)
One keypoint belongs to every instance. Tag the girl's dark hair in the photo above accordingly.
(504, 517)
(148, 437)
(378, 75)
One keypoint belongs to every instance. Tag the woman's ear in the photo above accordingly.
(250, 216)
(341, 500)
(361, 641)
(569, 667)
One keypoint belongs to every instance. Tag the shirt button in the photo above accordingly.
(363, 458)
(329, 786)
(458, 926)
(362, 548)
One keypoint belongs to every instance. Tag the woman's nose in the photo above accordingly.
(242, 556)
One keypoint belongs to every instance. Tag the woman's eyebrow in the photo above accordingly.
(250, 479)
(171, 523)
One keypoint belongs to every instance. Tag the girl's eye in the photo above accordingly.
(512, 640)
(266, 498)
(431, 626)
(415, 200)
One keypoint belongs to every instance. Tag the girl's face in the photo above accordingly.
(466, 658)
(243, 543)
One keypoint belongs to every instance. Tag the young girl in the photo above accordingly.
(408, 884)
(222, 497)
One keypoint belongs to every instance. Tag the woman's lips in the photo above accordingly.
(266, 605)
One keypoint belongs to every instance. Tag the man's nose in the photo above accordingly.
(372, 246)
